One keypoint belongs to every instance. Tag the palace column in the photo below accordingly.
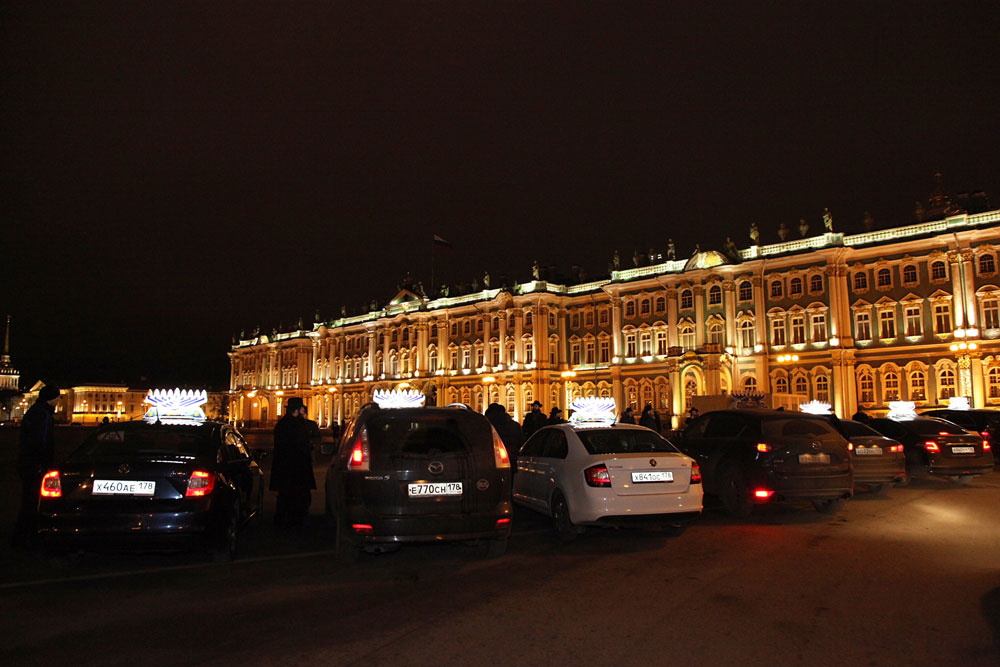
(672, 317)
(761, 370)
(729, 292)
(699, 316)
(518, 340)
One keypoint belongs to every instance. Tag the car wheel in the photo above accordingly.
(494, 548)
(962, 479)
(831, 506)
(346, 547)
(226, 547)
(566, 531)
(674, 530)
(878, 489)
(735, 493)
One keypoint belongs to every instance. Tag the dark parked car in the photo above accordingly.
(983, 421)
(419, 475)
(748, 457)
(938, 447)
(139, 485)
(878, 460)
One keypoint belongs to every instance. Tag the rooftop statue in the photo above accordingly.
(671, 250)
(754, 234)
(828, 220)
(783, 231)
(617, 261)
(486, 280)
(803, 227)
(868, 221)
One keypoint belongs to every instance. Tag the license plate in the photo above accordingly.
(123, 487)
(814, 458)
(660, 476)
(434, 489)
(963, 450)
(868, 451)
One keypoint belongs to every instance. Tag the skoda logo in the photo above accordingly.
(124, 469)
(652, 462)
(435, 467)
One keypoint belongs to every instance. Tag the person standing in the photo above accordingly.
(534, 420)
(34, 459)
(508, 430)
(649, 418)
(627, 417)
(555, 416)
(292, 472)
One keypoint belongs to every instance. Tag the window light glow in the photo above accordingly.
(593, 411)
(815, 408)
(398, 398)
(175, 406)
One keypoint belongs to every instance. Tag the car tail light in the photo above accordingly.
(51, 486)
(200, 483)
(362, 528)
(763, 494)
(850, 446)
(986, 445)
(985, 434)
(895, 448)
(931, 446)
(503, 522)
(500, 452)
(763, 447)
(360, 459)
(695, 474)
(597, 475)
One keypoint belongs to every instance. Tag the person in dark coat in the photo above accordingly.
(626, 417)
(508, 430)
(861, 416)
(292, 472)
(34, 458)
(649, 418)
(534, 420)
(555, 416)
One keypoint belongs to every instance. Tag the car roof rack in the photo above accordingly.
(459, 405)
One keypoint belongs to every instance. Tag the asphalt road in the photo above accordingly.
(909, 578)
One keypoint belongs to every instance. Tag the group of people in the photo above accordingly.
(649, 417)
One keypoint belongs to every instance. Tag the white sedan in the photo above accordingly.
(611, 475)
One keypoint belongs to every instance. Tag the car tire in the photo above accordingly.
(878, 489)
(962, 480)
(226, 547)
(346, 548)
(674, 530)
(831, 506)
(494, 548)
(734, 493)
(566, 530)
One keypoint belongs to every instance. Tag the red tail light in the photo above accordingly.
(362, 529)
(360, 459)
(500, 457)
(502, 522)
(763, 447)
(597, 475)
(896, 448)
(763, 494)
(931, 446)
(985, 434)
(51, 486)
(986, 445)
(695, 474)
(200, 483)
(850, 446)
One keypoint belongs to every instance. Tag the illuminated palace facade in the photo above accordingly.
(908, 313)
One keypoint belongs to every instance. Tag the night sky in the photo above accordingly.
(174, 173)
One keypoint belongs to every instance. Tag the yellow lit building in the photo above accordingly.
(857, 320)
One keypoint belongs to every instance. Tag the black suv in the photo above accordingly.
(419, 475)
(748, 457)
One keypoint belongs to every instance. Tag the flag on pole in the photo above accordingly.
(441, 244)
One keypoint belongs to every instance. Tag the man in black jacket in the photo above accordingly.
(534, 420)
(34, 458)
(292, 472)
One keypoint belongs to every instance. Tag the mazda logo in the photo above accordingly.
(124, 469)
(652, 462)
(816, 446)
(435, 467)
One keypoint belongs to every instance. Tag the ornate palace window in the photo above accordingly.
(746, 291)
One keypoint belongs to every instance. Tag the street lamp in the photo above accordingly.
(118, 412)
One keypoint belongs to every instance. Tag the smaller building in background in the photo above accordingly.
(93, 402)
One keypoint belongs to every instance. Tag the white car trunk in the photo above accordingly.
(648, 473)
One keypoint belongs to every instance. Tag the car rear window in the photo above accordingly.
(857, 430)
(933, 427)
(427, 434)
(182, 440)
(623, 441)
(796, 428)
